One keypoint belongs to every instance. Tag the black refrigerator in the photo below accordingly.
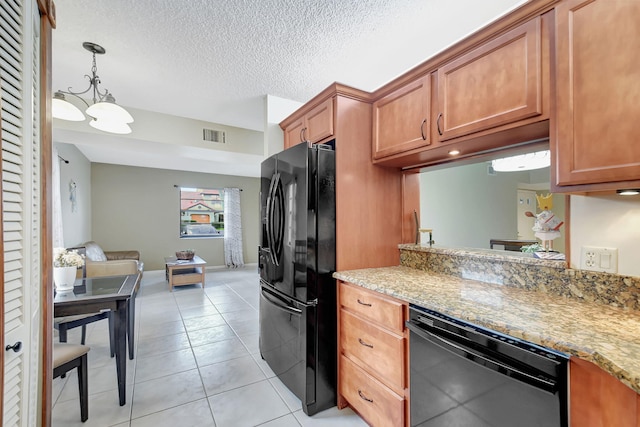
(296, 262)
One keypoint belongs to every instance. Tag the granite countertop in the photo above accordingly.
(607, 336)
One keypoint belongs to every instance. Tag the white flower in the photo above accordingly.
(65, 258)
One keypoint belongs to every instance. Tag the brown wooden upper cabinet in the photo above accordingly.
(497, 83)
(314, 126)
(401, 119)
(597, 137)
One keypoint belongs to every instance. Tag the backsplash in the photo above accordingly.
(524, 271)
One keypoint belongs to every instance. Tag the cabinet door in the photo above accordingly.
(401, 119)
(293, 133)
(319, 122)
(314, 126)
(498, 83)
(598, 399)
(598, 91)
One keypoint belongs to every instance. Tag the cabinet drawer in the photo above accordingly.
(380, 352)
(372, 306)
(377, 404)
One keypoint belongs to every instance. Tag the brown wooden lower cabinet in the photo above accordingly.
(598, 399)
(368, 344)
(374, 401)
(373, 356)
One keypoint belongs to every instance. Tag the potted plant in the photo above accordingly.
(65, 267)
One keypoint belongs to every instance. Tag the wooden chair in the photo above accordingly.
(67, 357)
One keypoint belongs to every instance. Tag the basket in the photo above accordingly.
(185, 255)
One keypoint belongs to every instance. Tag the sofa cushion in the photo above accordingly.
(114, 255)
(94, 252)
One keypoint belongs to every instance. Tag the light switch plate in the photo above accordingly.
(599, 259)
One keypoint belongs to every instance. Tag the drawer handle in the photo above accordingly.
(363, 303)
(438, 124)
(365, 343)
(424, 138)
(363, 397)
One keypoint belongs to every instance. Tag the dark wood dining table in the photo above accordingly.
(94, 294)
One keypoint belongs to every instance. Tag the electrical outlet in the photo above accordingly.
(599, 259)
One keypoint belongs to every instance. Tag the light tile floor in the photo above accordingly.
(196, 363)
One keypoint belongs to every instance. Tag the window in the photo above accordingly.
(201, 212)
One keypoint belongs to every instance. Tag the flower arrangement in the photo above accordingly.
(67, 258)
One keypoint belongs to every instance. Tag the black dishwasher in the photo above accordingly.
(465, 375)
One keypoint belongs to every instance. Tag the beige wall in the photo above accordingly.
(76, 222)
(609, 222)
(138, 208)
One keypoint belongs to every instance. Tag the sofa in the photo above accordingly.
(110, 263)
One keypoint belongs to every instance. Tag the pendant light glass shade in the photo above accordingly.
(110, 126)
(523, 162)
(63, 109)
(109, 110)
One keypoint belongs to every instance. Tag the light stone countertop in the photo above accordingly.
(607, 336)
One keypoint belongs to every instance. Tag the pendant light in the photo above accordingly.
(105, 114)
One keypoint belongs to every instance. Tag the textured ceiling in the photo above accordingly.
(216, 60)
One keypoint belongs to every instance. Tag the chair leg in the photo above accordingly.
(62, 337)
(83, 388)
(83, 338)
(62, 333)
(112, 335)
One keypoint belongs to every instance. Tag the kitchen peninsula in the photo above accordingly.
(539, 301)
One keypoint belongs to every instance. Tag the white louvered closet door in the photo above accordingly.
(19, 88)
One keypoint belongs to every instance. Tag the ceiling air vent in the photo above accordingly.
(213, 135)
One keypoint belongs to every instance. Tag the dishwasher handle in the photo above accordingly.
(464, 352)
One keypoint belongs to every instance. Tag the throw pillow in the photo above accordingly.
(94, 252)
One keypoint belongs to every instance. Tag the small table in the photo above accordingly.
(92, 295)
(184, 272)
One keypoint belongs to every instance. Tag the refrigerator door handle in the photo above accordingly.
(269, 219)
(278, 209)
(278, 303)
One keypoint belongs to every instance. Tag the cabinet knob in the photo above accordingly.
(16, 347)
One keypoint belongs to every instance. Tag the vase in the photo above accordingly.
(64, 277)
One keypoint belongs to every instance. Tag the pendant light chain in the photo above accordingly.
(95, 81)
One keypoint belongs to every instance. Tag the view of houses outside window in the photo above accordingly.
(201, 212)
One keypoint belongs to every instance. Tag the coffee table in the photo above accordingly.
(184, 272)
